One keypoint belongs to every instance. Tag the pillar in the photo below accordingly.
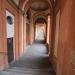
(3, 40)
(24, 33)
(20, 32)
(48, 29)
(49, 33)
(31, 31)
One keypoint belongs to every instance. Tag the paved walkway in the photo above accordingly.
(34, 62)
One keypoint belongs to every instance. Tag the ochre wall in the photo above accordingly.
(31, 31)
(5, 5)
(63, 62)
(3, 53)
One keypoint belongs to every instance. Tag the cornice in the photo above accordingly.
(13, 4)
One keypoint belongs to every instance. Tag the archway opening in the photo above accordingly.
(40, 30)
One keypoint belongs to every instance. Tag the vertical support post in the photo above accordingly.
(24, 44)
(48, 29)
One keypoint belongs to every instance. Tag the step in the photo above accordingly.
(19, 69)
(28, 70)
(18, 73)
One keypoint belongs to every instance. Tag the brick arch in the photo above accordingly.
(25, 4)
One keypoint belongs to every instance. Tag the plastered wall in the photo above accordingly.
(6, 6)
(66, 42)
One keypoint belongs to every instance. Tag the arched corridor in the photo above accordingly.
(37, 37)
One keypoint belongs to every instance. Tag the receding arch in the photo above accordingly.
(38, 15)
(40, 19)
(25, 4)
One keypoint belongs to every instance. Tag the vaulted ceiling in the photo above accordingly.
(35, 6)
(39, 6)
(18, 1)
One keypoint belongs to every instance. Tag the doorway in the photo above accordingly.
(40, 33)
(10, 49)
(10, 36)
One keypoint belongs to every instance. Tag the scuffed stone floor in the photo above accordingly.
(35, 61)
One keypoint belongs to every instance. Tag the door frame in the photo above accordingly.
(14, 46)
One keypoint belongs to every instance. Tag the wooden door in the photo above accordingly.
(10, 49)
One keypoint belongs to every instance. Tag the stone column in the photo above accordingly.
(24, 33)
(48, 29)
(20, 33)
(31, 31)
(3, 40)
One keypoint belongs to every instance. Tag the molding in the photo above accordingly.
(12, 3)
(3, 53)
